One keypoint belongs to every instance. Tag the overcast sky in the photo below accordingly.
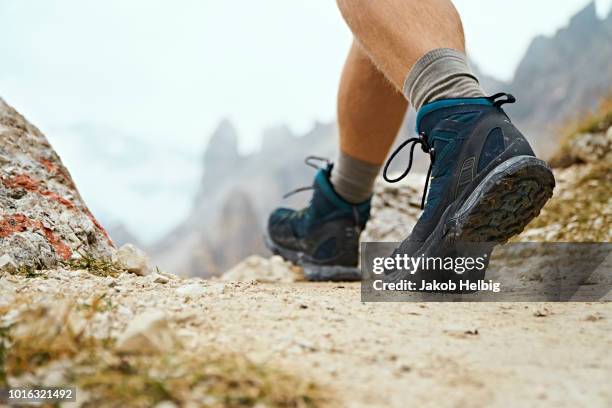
(128, 91)
(173, 69)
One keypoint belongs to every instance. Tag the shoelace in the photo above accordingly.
(422, 140)
(309, 161)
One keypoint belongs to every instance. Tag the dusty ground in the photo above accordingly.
(402, 354)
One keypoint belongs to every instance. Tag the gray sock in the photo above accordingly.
(353, 179)
(443, 73)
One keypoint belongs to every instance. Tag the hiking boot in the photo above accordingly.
(486, 183)
(323, 238)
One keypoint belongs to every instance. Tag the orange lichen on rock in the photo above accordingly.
(20, 223)
(27, 183)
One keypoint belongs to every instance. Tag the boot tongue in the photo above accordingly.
(432, 113)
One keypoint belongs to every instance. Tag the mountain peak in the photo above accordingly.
(225, 131)
(276, 137)
(223, 142)
(585, 17)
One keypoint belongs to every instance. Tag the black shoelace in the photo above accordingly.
(422, 140)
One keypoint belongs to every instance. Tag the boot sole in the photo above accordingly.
(500, 207)
(504, 203)
(314, 272)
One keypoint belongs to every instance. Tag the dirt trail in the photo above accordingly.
(425, 353)
(401, 354)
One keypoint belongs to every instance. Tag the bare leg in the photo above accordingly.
(370, 113)
(396, 33)
(370, 110)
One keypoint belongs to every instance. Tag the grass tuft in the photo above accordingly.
(29, 271)
(95, 266)
(4, 339)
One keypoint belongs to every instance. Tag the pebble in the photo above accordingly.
(148, 333)
(132, 260)
(7, 264)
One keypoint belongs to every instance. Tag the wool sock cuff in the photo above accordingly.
(353, 179)
(443, 73)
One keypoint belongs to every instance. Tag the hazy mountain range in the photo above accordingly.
(559, 78)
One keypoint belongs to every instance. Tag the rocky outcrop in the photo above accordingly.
(209, 248)
(395, 209)
(564, 76)
(44, 219)
(236, 194)
(581, 208)
(239, 232)
(221, 156)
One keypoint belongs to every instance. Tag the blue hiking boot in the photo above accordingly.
(486, 183)
(323, 238)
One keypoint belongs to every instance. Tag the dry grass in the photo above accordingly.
(29, 271)
(580, 208)
(95, 266)
(3, 352)
(208, 377)
(593, 122)
(211, 378)
(89, 263)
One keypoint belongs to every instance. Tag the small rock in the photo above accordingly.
(168, 275)
(215, 288)
(461, 332)
(166, 404)
(132, 260)
(158, 278)
(542, 312)
(7, 264)
(54, 374)
(257, 268)
(404, 368)
(7, 290)
(192, 290)
(148, 333)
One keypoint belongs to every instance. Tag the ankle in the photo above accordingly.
(353, 179)
(443, 73)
